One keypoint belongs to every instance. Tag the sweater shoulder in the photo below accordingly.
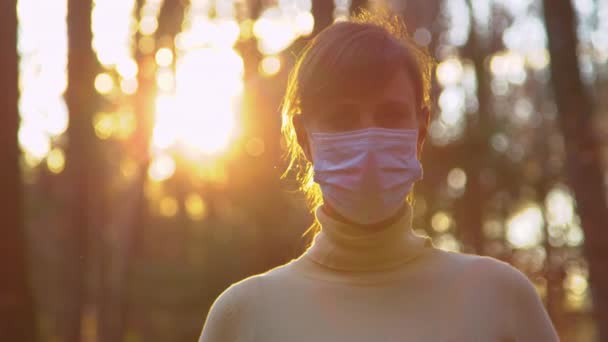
(484, 274)
(232, 314)
(504, 280)
(279, 273)
(495, 272)
(474, 263)
(239, 294)
(524, 317)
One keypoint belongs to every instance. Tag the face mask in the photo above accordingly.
(366, 174)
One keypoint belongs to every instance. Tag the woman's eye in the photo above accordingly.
(341, 118)
(340, 122)
(392, 119)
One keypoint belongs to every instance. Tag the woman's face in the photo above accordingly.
(394, 107)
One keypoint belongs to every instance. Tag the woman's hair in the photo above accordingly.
(349, 60)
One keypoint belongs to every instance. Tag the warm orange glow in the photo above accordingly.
(113, 44)
(34, 141)
(525, 228)
(246, 29)
(195, 207)
(168, 206)
(161, 168)
(276, 30)
(449, 72)
(255, 147)
(128, 167)
(148, 25)
(447, 242)
(127, 68)
(125, 124)
(146, 45)
(270, 65)
(577, 287)
(205, 88)
(441, 222)
(197, 106)
(457, 179)
(201, 116)
(104, 83)
(165, 80)
(104, 125)
(129, 86)
(55, 161)
(164, 57)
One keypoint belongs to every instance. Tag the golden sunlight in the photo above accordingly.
(195, 207)
(169, 206)
(113, 45)
(55, 161)
(200, 84)
(270, 65)
(42, 44)
(161, 168)
(200, 116)
(525, 228)
(276, 28)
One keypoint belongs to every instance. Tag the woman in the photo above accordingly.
(356, 114)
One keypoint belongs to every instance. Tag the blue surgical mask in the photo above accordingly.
(366, 174)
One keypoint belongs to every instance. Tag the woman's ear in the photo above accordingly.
(423, 124)
(301, 135)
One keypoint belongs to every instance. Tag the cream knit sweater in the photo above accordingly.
(390, 285)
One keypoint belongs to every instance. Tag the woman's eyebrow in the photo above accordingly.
(344, 102)
(341, 105)
(395, 103)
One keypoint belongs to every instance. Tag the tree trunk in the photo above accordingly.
(583, 157)
(17, 320)
(126, 219)
(323, 12)
(475, 152)
(80, 99)
(421, 14)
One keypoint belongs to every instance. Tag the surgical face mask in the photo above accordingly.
(366, 174)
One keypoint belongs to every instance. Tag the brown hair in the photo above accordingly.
(349, 59)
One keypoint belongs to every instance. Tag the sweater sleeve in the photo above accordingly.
(531, 321)
(526, 317)
(231, 316)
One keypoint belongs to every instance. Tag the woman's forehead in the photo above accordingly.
(397, 88)
(356, 65)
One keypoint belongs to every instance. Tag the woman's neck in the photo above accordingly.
(341, 245)
(330, 211)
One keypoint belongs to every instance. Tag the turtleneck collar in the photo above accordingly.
(346, 247)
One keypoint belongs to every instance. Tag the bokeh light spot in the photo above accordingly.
(161, 168)
(525, 228)
(195, 207)
(441, 222)
(55, 161)
(104, 83)
(164, 57)
(168, 206)
(270, 66)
